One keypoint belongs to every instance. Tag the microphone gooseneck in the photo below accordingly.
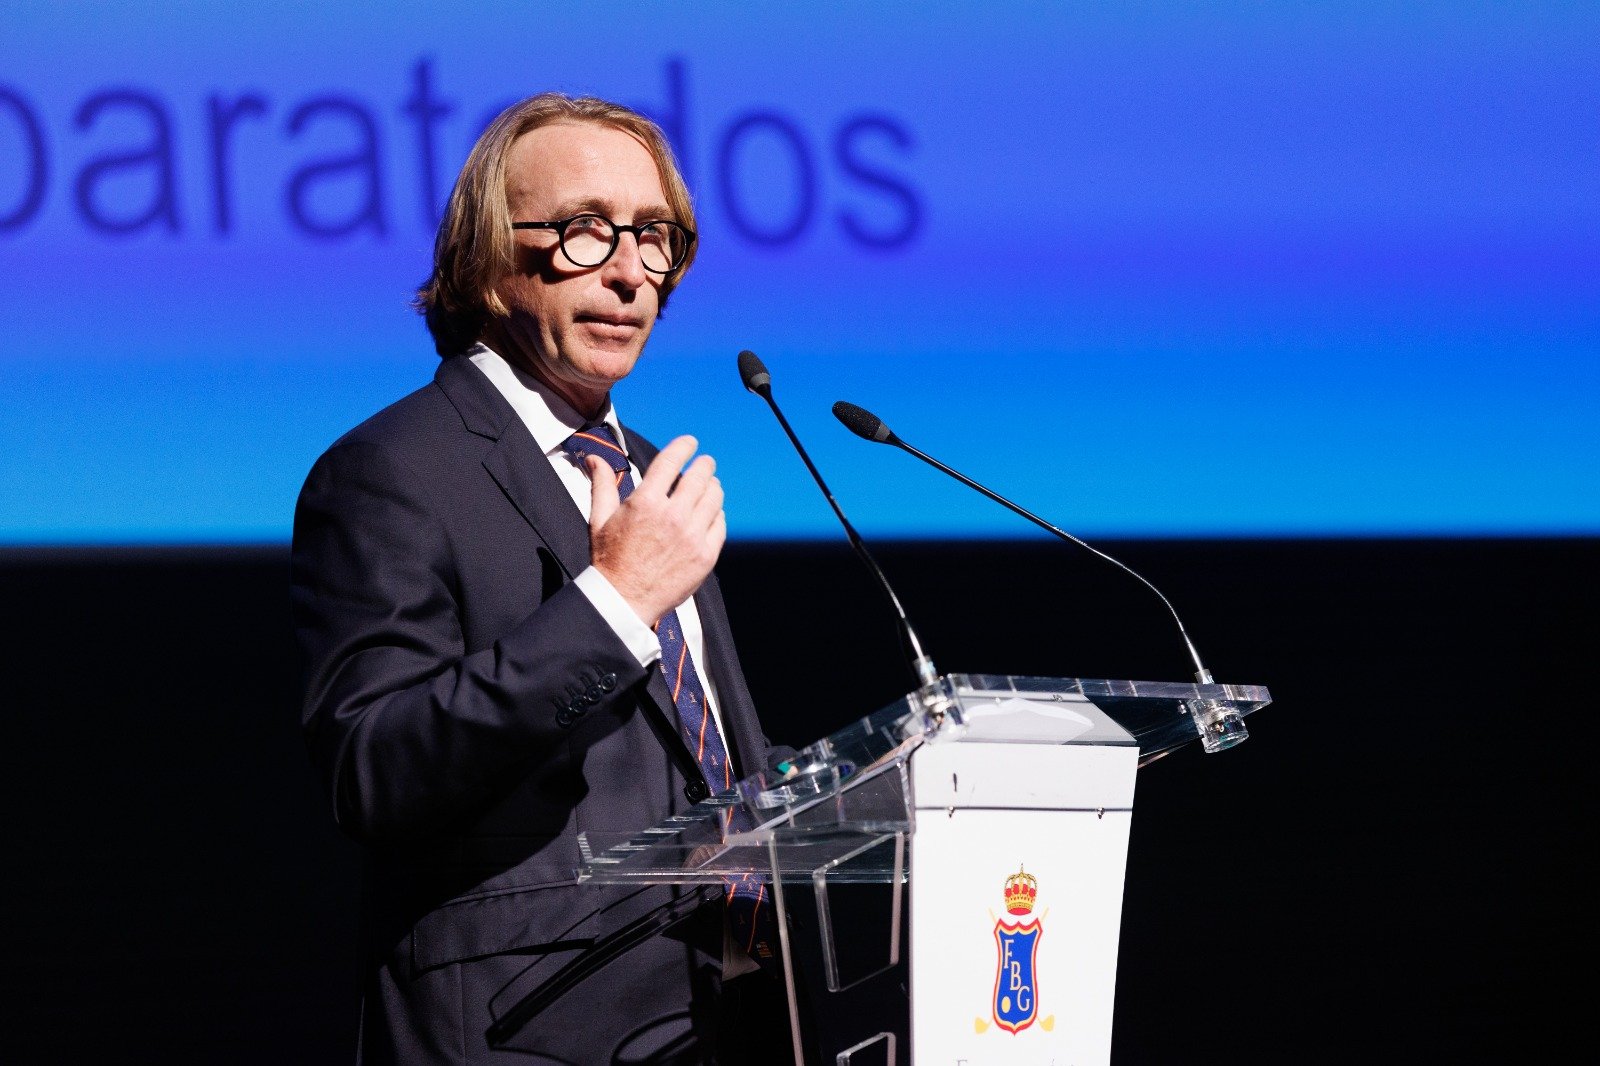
(868, 426)
(756, 378)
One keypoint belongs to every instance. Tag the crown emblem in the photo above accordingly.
(1021, 890)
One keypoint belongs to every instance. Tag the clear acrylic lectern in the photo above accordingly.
(948, 871)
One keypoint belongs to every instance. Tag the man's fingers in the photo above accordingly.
(707, 507)
(603, 496)
(701, 473)
(668, 461)
(719, 532)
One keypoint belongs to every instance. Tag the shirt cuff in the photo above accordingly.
(630, 629)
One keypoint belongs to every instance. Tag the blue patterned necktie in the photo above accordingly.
(750, 913)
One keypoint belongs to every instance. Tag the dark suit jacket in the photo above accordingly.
(471, 713)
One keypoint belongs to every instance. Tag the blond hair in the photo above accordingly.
(476, 247)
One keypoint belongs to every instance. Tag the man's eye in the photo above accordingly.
(589, 225)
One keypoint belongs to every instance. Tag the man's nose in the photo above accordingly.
(625, 267)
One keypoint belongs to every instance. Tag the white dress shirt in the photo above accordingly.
(551, 420)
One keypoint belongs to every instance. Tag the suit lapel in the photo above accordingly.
(517, 465)
(523, 473)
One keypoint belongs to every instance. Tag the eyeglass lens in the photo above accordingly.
(589, 239)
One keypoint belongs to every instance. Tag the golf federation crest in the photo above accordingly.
(1016, 937)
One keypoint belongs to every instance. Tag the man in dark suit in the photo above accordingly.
(513, 635)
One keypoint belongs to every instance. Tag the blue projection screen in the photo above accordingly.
(1154, 270)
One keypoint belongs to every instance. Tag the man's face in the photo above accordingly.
(579, 329)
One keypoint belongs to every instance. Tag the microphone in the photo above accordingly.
(868, 426)
(756, 378)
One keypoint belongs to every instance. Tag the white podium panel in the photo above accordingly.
(1016, 908)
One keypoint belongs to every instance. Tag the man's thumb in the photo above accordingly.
(603, 497)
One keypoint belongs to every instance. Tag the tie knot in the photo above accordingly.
(597, 440)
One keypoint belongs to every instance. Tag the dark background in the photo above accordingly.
(1384, 872)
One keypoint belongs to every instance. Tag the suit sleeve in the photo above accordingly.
(409, 728)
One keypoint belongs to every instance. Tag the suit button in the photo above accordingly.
(608, 682)
(695, 791)
(592, 696)
(564, 719)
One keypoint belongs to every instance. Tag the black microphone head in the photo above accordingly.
(864, 423)
(753, 372)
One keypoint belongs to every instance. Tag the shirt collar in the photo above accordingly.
(548, 417)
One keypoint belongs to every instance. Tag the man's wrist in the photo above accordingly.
(639, 638)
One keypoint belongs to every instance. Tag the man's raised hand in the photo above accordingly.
(657, 546)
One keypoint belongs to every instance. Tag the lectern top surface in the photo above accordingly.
(849, 790)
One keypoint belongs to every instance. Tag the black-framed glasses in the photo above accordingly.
(589, 240)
